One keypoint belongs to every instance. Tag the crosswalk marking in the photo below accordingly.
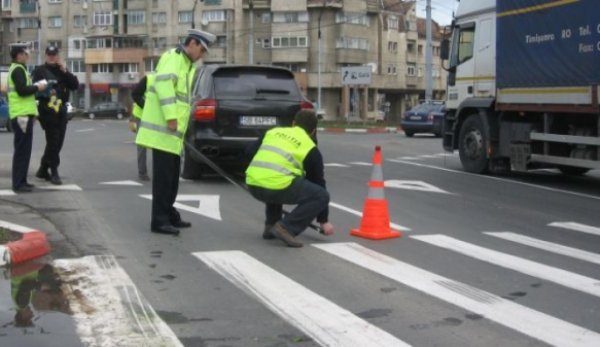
(576, 227)
(327, 323)
(528, 267)
(520, 318)
(548, 246)
(335, 165)
(358, 213)
(361, 163)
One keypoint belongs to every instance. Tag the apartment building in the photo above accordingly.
(110, 44)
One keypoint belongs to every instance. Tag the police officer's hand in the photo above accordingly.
(172, 124)
(41, 85)
(327, 229)
(132, 125)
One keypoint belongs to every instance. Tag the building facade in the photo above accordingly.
(110, 44)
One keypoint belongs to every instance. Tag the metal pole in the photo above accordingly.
(251, 35)
(39, 42)
(319, 62)
(428, 57)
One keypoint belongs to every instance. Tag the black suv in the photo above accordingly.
(232, 106)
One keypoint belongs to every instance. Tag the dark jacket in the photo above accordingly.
(59, 81)
(20, 80)
(138, 93)
(313, 167)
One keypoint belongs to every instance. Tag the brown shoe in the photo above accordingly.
(279, 232)
(267, 235)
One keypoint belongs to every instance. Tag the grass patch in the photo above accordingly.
(7, 236)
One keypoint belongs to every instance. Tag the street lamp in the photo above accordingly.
(319, 59)
(39, 20)
(251, 34)
(194, 13)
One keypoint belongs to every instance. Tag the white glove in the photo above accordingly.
(22, 121)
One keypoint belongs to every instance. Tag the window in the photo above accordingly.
(266, 43)
(391, 70)
(99, 43)
(393, 47)
(159, 42)
(392, 23)
(159, 18)
(289, 41)
(79, 21)
(435, 72)
(54, 1)
(265, 17)
(420, 49)
(221, 41)
(411, 25)
(6, 4)
(129, 67)
(411, 70)
(352, 43)
(184, 16)
(102, 68)
(150, 63)
(214, 16)
(290, 17)
(352, 18)
(57, 44)
(102, 18)
(55, 22)
(463, 46)
(77, 44)
(136, 17)
(76, 66)
(27, 23)
(411, 46)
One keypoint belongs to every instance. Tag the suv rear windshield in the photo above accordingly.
(262, 83)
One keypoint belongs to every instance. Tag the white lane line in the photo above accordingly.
(495, 179)
(7, 192)
(70, 187)
(358, 213)
(327, 323)
(107, 307)
(530, 322)
(526, 266)
(547, 246)
(15, 227)
(576, 227)
(335, 165)
(123, 183)
(85, 130)
(361, 163)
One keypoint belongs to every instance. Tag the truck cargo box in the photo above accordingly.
(548, 43)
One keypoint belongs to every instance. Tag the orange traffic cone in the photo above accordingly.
(375, 222)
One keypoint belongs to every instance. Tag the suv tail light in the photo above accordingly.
(205, 110)
(306, 105)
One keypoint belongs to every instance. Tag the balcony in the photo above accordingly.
(27, 7)
(289, 55)
(325, 3)
(257, 4)
(115, 55)
(350, 56)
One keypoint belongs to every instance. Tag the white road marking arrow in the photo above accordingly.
(208, 205)
(72, 187)
(122, 183)
(414, 185)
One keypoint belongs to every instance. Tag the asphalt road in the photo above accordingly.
(446, 282)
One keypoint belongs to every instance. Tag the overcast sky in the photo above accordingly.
(441, 10)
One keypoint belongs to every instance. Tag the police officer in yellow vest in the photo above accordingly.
(22, 110)
(164, 122)
(288, 169)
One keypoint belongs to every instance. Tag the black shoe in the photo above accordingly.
(23, 189)
(55, 179)
(144, 177)
(288, 238)
(267, 235)
(181, 224)
(43, 174)
(28, 185)
(166, 229)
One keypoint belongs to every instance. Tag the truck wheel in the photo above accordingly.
(190, 170)
(91, 116)
(472, 146)
(573, 171)
(409, 133)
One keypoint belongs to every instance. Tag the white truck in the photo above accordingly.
(523, 85)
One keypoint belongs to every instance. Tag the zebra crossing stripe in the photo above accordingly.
(548, 246)
(530, 322)
(526, 266)
(577, 227)
(327, 323)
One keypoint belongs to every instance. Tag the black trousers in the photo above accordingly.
(23, 142)
(165, 184)
(55, 127)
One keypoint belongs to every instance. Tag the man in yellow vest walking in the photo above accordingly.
(288, 169)
(164, 122)
(22, 111)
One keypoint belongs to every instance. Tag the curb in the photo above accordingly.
(382, 130)
(33, 244)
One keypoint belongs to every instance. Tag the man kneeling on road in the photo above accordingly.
(288, 169)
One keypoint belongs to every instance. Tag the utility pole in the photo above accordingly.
(319, 49)
(194, 13)
(39, 39)
(251, 35)
(428, 57)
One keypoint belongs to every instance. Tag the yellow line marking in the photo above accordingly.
(537, 7)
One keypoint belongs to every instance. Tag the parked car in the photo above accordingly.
(232, 106)
(73, 111)
(107, 109)
(4, 119)
(424, 118)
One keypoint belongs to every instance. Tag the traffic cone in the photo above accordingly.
(375, 222)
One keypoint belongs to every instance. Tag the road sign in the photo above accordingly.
(356, 75)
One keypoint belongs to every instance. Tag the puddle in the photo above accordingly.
(34, 310)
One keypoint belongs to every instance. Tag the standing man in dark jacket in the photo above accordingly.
(52, 107)
(288, 169)
(22, 112)
(138, 94)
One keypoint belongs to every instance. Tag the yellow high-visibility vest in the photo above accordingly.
(20, 105)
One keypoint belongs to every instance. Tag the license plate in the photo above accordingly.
(258, 121)
(415, 117)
